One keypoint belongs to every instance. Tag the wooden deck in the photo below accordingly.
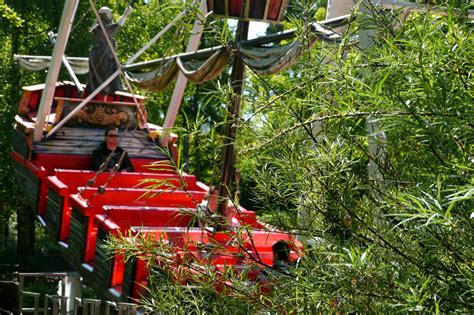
(81, 141)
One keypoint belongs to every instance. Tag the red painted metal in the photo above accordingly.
(235, 7)
(274, 9)
(257, 10)
(89, 204)
(51, 162)
(66, 182)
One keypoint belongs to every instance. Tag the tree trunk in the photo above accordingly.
(26, 235)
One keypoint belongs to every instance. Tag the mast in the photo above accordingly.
(69, 11)
(233, 109)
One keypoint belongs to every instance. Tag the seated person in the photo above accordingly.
(110, 147)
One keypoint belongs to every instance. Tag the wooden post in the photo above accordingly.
(233, 109)
(337, 8)
(376, 137)
(182, 81)
(65, 26)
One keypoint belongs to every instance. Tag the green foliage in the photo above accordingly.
(9, 16)
(24, 29)
(397, 237)
(320, 14)
(401, 237)
(386, 215)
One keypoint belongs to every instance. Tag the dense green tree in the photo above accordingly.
(10, 21)
(396, 238)
(24, 28)
(402, 239)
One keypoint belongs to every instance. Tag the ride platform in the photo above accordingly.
(82, 209)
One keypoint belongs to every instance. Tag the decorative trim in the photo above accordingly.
(98, 114)
(102, 115)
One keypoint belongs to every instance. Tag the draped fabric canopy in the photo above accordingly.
(39, 63)
(271, 60)
(200, 67)
(261, 59)
(196, 70)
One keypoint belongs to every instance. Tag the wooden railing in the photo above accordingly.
(46, 304)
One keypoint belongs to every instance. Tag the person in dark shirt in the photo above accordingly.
(109, 152)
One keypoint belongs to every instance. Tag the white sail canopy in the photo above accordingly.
(38, 63)
(265, 56)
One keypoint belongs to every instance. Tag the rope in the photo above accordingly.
(81, 19)
(157, 36)
(102, 189)
(116, 168)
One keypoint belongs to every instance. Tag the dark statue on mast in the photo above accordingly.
(102, 62)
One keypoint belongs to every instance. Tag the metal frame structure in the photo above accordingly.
(67, 19)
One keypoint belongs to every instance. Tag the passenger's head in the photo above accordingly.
(111, 137)
(281, 251)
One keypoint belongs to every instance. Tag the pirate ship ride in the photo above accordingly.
(59, 125)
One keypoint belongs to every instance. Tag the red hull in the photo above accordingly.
(67, 199)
